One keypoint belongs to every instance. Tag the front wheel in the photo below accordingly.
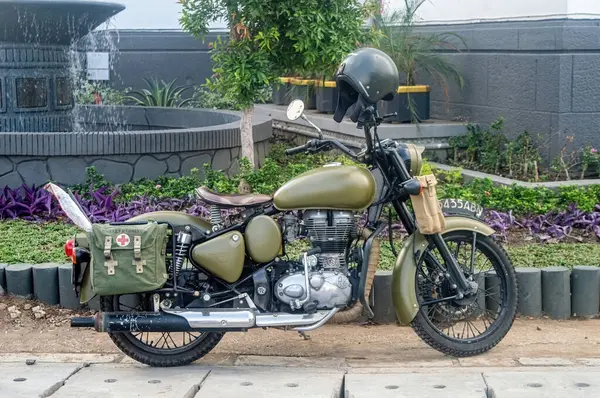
(477, 322)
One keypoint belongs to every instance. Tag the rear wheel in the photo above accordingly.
(476, 323)
(157, 349)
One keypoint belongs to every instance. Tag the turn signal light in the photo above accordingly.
(70, 249)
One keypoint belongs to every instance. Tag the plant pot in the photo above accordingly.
(326, 96)
(419, 95)
(281, 92)
(305, 91)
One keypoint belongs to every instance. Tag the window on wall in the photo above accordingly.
(32, 92)
(64, 93)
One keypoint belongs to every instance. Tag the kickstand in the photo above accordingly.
(304, 335)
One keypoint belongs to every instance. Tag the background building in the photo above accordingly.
(535, 62)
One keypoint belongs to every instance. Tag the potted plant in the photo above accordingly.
(414, 53)
(304, 89)
(326, 95)
(281, 91)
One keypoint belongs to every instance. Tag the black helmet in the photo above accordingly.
(365, 77)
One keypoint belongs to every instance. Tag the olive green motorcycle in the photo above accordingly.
(171, 285)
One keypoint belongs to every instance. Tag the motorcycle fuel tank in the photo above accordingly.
(330, 187)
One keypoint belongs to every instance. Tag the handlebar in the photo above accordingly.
(367, 119)
(293, 151)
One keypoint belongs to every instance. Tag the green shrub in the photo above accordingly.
(160, 94)
(279, 168)
(86, 94)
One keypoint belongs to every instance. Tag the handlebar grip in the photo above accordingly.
(293, 151)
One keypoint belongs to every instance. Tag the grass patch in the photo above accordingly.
(24, 242)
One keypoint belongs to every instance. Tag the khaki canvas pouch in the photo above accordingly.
(430, 219)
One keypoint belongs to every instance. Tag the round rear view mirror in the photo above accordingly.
(295, 109)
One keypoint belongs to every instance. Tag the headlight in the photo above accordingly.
(411, 154)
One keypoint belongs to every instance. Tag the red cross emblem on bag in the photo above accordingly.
(123, 240)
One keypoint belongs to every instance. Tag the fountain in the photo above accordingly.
(45, 136)
(36, 90)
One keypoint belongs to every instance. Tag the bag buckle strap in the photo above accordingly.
(109, 262)
(107, 247)
(137, 254)
(430, 183)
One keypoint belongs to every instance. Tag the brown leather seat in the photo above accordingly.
(224, 200)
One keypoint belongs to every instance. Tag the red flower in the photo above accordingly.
(487, 193)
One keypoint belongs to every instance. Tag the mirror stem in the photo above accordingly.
(312, 124)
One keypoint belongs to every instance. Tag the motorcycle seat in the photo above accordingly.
(227, 200)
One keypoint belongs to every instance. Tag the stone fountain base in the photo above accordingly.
(129, 143)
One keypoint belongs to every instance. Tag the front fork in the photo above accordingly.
(453, 271)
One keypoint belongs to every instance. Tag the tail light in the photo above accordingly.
(70, 250)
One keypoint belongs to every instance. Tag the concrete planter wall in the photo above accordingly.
(470, 175)
(556, 292)
(401, 104)
(129, 143)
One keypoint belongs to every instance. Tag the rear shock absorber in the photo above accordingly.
(215, 218)
(183, 244)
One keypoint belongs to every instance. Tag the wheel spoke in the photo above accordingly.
(163, 341)
(474, 258)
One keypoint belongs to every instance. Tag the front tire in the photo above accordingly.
(428, 324)
(135, 348)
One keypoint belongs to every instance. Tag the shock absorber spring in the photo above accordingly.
(215, 217)
(183, 244)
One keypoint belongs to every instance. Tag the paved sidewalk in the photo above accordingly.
(112, 376)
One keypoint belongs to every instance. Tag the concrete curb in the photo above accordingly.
(530, 289)
(19, 280)
(45, 283)
(3, 278)
(585, 285)
(65, 287)
(556, 292)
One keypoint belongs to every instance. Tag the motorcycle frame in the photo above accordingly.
(381, 159)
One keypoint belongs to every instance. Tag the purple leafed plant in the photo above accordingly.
(36, 204)
(554, 225)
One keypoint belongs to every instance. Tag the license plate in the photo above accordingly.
(461, 206)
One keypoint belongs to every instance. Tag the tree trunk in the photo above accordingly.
(247, 138)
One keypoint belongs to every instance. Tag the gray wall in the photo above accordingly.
(165, 54)
(541, 76)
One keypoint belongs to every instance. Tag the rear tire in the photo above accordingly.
(450, 345)
(135, 349)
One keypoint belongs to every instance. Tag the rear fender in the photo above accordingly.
(404, 295)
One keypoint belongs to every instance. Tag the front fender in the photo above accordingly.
(404, 295)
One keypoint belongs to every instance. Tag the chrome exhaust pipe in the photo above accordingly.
(171, 321)
(196, 320)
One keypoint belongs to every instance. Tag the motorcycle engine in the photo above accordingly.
(331, 231)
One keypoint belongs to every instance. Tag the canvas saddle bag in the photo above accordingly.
(430, 219)
(128, 258)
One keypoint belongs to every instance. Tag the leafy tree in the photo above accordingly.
(271, 38)
(244, 63)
